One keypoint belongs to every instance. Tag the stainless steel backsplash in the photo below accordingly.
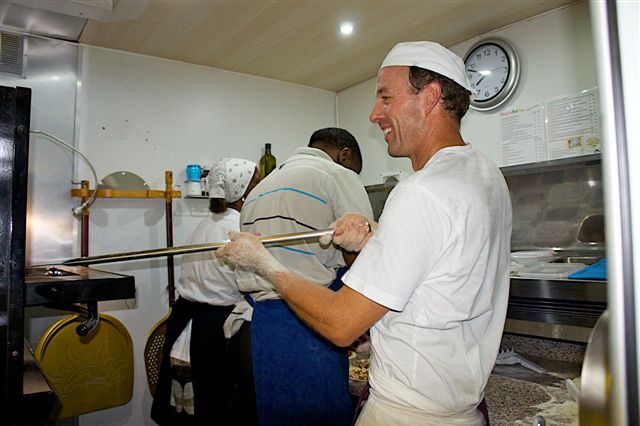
(557, 205)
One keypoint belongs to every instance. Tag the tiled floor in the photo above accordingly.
(518, 402)
(515, 395)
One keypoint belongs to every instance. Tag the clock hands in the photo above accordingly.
(484, 73)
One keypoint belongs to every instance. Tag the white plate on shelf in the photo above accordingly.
(550, 270)
(533, 257)
(515, 268)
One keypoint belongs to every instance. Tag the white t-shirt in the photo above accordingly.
(307, 192)
(205, 278)
(440, 261)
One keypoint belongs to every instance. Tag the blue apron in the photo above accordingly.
(300, 378)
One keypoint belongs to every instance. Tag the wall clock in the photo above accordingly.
(493, 69)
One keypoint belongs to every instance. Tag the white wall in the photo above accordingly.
(146, 115)
(556, 54)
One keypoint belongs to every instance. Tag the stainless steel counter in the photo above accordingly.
(560, 308)
(60, 284)
(566, 302)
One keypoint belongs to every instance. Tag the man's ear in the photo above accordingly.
(344, 155)
(431, 93)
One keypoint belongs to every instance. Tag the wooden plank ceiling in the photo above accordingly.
(298, 40)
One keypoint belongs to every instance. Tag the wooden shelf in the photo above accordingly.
(168, 194)
(123, 193)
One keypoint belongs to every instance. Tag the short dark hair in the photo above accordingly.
(217, 205)
(337, 138)
(454, 97)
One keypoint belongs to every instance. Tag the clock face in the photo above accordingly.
(492, 70)
(487, 70)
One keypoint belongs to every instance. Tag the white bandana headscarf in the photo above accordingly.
(229, 178)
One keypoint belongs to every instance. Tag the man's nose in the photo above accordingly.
(376, 112)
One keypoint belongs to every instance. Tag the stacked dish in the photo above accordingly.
(533, 257)
(537, 264)
(524, 261)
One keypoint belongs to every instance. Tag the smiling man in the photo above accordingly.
(432, 277)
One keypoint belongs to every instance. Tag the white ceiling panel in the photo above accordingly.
(298, 40)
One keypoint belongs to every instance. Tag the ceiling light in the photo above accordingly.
(346, 28)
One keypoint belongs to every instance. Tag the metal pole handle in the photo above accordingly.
(171, 251)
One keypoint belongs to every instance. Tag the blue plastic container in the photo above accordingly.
(194, 171)
(596, 271)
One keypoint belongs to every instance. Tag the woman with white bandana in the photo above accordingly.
(204, 393)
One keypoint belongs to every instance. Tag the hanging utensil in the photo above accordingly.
(124, 180)
(153, 349)
(87, 373)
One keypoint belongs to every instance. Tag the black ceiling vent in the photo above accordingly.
(13, 58)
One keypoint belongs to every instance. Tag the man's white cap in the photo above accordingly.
(430, 56)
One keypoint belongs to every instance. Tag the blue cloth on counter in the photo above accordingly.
(300, 378)
(596, 271)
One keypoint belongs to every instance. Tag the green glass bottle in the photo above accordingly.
(267, 161)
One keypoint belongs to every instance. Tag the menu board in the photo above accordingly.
(565, 126)
(573, 125)
(522, 133)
